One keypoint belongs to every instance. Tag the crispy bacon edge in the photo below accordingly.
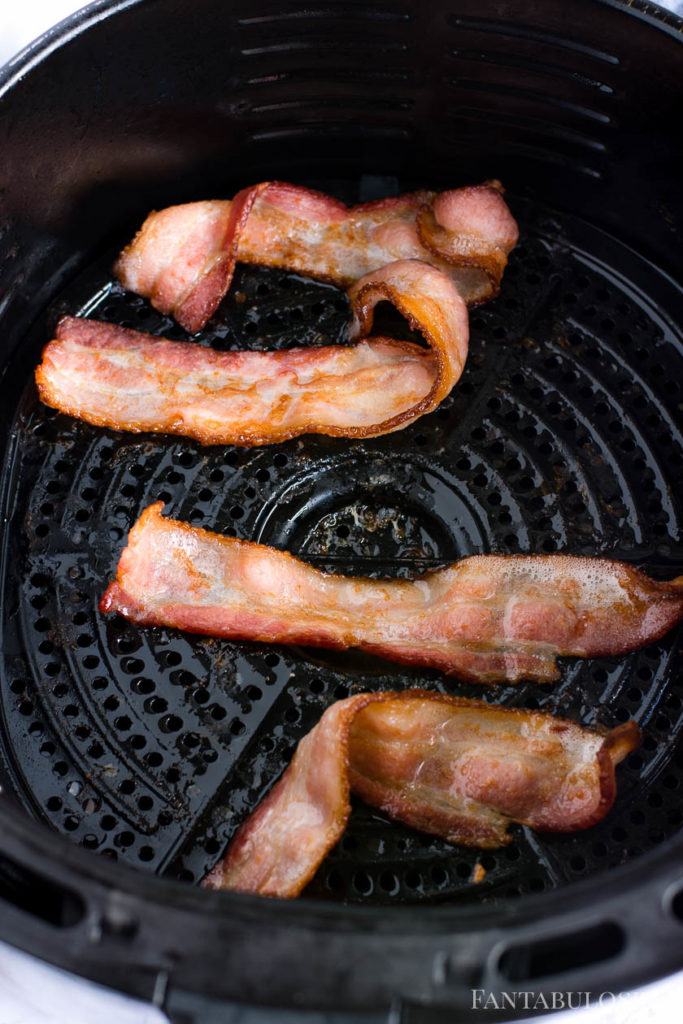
(451, 625)
(428, 300)
(278, 849)
(470, 227)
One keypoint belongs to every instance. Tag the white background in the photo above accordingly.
(21, 21)
(32, 993)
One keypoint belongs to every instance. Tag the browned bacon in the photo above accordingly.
(183, 257)
(487, 618)
(115, 377)
(456, 768)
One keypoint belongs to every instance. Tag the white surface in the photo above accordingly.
(32, 992)
(21, 21)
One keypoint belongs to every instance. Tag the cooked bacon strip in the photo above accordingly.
(487, 618)
(183, 258)
(457, 768)
(115, 377)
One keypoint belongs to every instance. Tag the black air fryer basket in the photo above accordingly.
(128, 756)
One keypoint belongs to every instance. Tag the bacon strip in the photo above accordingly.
(115, 377)
(488, 618)
(456, 768)
(183, 258)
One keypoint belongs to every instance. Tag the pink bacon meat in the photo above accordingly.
(183, 258)
(487, 618)
(115, 377)
(456, 768)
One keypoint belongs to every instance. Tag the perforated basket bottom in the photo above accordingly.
(152, 746)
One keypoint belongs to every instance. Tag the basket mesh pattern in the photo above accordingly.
(152, 746)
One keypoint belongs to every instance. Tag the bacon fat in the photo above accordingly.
(115, 377)
(487, 618)
(183, 258)
(456, 768)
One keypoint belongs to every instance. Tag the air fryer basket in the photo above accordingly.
(150, 746)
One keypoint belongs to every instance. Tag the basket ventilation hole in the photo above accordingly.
(562, 953)
(38, 896)
(677, 905)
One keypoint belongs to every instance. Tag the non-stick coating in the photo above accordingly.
(563, 434)
(151, 745)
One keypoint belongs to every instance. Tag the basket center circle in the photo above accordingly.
(373, 515)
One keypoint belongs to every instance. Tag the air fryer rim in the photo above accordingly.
(132, 929)
(136, 932)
